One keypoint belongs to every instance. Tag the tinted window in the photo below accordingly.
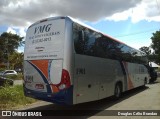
(98, 45)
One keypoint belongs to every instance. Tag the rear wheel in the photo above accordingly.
(145, 81)
(118, 91)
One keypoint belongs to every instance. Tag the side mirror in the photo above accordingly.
(81, 35)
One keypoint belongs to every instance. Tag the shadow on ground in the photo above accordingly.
(84, 110)
(87, 109)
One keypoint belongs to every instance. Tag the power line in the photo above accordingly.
(135, 33)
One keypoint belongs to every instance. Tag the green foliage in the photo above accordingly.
(2, 69)
(156, 45)
(19, 76)
(14, 77)
(16, 60)
(13, 96)
(153, 56)
(8, 44)
(146, 50)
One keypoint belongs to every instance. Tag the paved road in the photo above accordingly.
(144, 98)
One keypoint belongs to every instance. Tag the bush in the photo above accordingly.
(13, 97)
(1, 69)
(11, 76)
(15, 77)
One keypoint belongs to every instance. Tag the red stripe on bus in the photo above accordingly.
(129, 80)
(42, 65)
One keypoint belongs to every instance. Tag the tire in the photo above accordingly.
(9, 82)
(117, 91)
(145, 81)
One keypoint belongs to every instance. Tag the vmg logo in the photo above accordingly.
(41, 29)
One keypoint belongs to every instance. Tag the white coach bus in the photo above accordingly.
(68, 62)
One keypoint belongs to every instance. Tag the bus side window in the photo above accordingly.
(77, 37)
(81, 35)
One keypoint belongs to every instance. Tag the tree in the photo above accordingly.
(16, 60)
(8, 44)
(156, 45)
(146, 50)
(150, 55)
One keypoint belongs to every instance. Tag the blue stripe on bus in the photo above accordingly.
(62, 97)
(43, 77)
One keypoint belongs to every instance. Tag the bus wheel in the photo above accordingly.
(118, 91)
(145, 81)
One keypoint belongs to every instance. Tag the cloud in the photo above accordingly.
(21, 31)
(11, 30)
(25, 12)
(146, 10)
(20, 49)
(19, 14)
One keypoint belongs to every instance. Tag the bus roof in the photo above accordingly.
(85, 25)
(81, 23)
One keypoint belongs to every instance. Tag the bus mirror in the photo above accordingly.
(81, 35)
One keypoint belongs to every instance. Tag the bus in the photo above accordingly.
(67, 62)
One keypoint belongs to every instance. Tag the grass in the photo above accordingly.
(12, 97)
(19, 76)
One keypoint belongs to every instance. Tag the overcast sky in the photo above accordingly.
(17, 15)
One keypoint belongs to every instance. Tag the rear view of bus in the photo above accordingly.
(45, 76)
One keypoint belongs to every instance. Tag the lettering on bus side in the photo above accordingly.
(29, 79)
(41, 29)
(80, 71)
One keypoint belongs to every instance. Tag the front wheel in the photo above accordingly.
(118, 91)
